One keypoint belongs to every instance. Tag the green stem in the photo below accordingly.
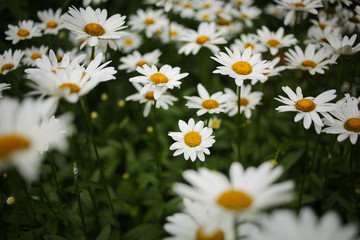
(157, 145)
(327, 165)
(338, 82)
(35, 220)
(92, 53)
(352, 150)
(55, 178)
(239, 123)
(306, 168)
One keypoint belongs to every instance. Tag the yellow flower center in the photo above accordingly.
(149, 21)
(11, 143)
(210, 104)
(149, 95)
(234, 200)
(243, 102)
(322, 26)
(159, 78)
(246, 45)
(192, 139)
(207, 5)
(299, 4)
(187, 5)
(51, 24)
(7, 66)
(239, 3)
(128, 41)
(243, 15)
(73, 87)
(222, 22)
(59, 58)
(218, 235)
(205, 16)
(202, 39)
(273, 42)
(354, 19)
(308, 64)
(215, 124)
(94, 29)
(141, 63)
(23, 32)
(305, 105)
(35, 56)
(173, 33)
(242, 68)
(352, 125)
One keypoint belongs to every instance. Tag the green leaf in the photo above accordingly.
(105, 233)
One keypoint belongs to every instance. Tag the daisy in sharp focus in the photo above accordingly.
(285, 224)
(3, 86)
(308, 108)
(33, 53)
(24, 30)
(135, 59)
(27, 129)
(165, 100)
(193, 141)
(50, 21)
(245, 66)
(206, 103)
(310, 59)
(10, 61)
(275, 40)
(248, 101)
(206, 36)
(199, 222)
(245, 192)
(165, 77)
(347, 120)
(93, 25)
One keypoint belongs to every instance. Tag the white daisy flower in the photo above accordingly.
(165, 77)
(247, 14)
(307, 108)
(206, 103)
(93, 25)
(205, 15)
(275, 11)
(135, 59)
(24, 30)
(241, 67)
(248, 40)
(342, 46)
(214, 123)
(242, 3)
(165, 100)
(10, 61)
(33, 53)
(350, 20)
(28, 129)
(193, 141)
(3, 86)
(317, 36)
(185, 8)
(229, 27)
(324, 21)
(347, 120)
(248, 101)
(213, 5)
(95, 2)
(206, 36)
(151, 21)
(274, 70)
(166, 4)
(175, 32)
(285, 224)
(50, 21)
(309, 60)
(199, 222)
(245, 192)
(302, 6)
(275, 40)
(129, 42)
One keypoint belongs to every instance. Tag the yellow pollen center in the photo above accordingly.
(7, 66)
(173, 33)
(159, 78)
(149, 95)
(11, 143)
(234, 200)
(192, 139)
(73, 87)
(305, 105)
(210, 104)
(128, 41)
(215, 124)
(243, 15)
(354, 19)
(205, 16)
(352, 125)
(23, 32)
(188, 5)
(308, 64)
(299, 4)
(273, 42)
(207, 6)
(202, 39)
(149, 21)
(51, 24)
(239, 3)
(218, 235)
(94, 29)
(242, 68)
(243, 102)
(222, 22)
(246, 45)
(35, 56)
(59, 58)
(322, 26)
(141, 63)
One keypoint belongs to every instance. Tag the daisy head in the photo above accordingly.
(307, 108)
(207, 103)
(129, 42)
(93, 25)
(193, 141)
(135, 59)
(50, 21)
(342, 45)
(33, 53)
(245, 66)
(24, 30)
(10, 61)
(275, 40)
(245, 191)
(249, 40)
(165, 77)
(214, 123)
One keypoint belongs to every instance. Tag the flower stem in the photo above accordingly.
(239, 123)
(338, 82)
(352, 150)
(52, 165)
(157, 145)
(325, 178)
(306, 168)
(92, 53)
